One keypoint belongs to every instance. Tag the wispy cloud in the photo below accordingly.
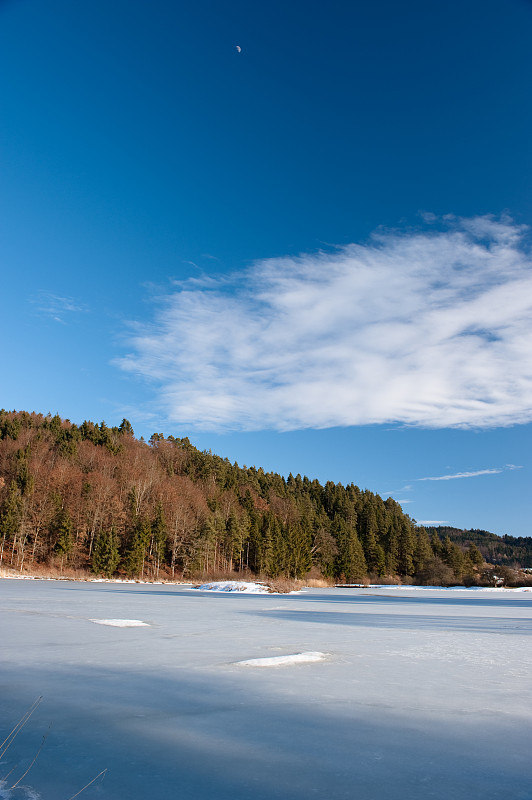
(474, 474)
(429, 328)
(395, 492)
(432, 522)
(56, 306)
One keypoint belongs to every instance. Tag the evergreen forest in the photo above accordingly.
(96, 499)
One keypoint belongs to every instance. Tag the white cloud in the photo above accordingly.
(430, 329)
(463, 475)
(55, 306)
(395, 492)
(475, 474)
(433, 522)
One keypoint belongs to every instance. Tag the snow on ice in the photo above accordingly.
(283, 661)
(121, 623)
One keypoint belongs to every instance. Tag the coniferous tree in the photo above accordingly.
(475, 556)
(10, 518)
(436, 544)
(325, 551)
(422, 551)
(61, 533)
(299, 546)
(453, 557)
(255, 557)
(135, 555)
(234, 540)
(126, 427)
(379, 564)
(350, 561)
(368, 535)
(24, 478)
(275, 546)
(405, 561)
(105, 554)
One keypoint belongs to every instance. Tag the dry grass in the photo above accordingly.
(283, 585)
(10, 738)
(46, 571)
(318, 583)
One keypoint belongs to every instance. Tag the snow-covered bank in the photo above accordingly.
(406, 587)
(253, 587)
(248, 587)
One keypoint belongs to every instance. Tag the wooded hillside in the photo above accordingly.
(506, 550)
(92, 497)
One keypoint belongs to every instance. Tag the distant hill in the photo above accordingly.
(510, 551)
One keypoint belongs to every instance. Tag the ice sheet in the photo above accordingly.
(423, 694)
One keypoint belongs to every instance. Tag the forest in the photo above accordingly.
(97, 499)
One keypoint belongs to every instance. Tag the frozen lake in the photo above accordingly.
(421, 694)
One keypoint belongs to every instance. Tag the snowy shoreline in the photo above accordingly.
(254, 587)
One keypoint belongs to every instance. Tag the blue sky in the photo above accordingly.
(312, 255)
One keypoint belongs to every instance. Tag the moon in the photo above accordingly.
(239, 48)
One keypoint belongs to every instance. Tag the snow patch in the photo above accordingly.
(122, 623)
(233, 586)
(284, 661)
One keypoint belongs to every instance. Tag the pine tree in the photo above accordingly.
(254, 559)
(367, 529)
(379, 564)
(136, 554)
(299, 546)
(125, 427)
(61, 531)
(234, 540)
(350, 561)
(405, 561)
(475, 556)
(24, 477)
(453, 557)
(275, 547)
(105, 554)
(10, 518)
(325, 551)
(422, 551)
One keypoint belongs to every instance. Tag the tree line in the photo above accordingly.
(95, 497)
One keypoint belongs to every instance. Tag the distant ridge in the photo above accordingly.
(508, 550)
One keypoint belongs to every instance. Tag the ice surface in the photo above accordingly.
(423, 695)
(283, 661)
